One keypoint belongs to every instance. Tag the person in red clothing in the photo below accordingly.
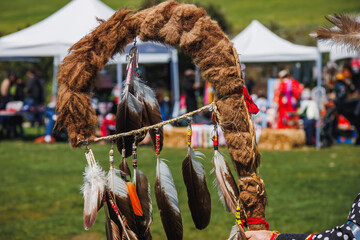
(286, 97)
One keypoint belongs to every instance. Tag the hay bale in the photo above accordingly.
(281, 139)
(175, 137)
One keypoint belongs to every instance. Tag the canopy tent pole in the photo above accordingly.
(175, 87)
(119, 75)
(319, 80)
(56, 63)
(197, 81)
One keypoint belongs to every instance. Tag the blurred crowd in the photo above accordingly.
(335, 104)
(292, 104)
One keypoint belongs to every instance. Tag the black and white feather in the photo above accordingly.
(227, 188)
(199, 199)
(167, 201)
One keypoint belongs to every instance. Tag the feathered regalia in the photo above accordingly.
(188, 27)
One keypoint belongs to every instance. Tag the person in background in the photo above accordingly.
(49, 122)
(12, 90)
(355, 67)
(34, 96)
(163, 103)
(286, 98)
(309, 111)
(261, 102)
(19, 91)
(260, 119)
(35, 91)
(5, 89)
(348, 231)
(190, 88)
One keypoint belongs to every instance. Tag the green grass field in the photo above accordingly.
(308, 190)
(18, 14)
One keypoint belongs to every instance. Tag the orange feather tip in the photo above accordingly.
(134, 199)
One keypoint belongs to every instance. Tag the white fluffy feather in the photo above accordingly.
(93, 191)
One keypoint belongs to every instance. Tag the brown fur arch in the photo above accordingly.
(180, 25)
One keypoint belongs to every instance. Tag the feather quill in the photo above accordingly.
(143, 190)
(123, 164)
(113, 231)
(234, 235)
(346, 31)
(93, 190)
(237, 233)
(225, 182)
(117, 226)
(167, 201)
(198, 194)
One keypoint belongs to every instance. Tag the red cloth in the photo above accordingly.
(286, 96)
(251, 106)
(108, 124)
(252, 221)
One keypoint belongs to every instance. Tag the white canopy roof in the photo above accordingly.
(256, 43)
(56, 34)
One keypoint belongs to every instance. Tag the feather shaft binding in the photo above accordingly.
(123, 165)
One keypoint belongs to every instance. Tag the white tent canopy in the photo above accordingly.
(54, 35)
(57, 33)
(256, 43)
